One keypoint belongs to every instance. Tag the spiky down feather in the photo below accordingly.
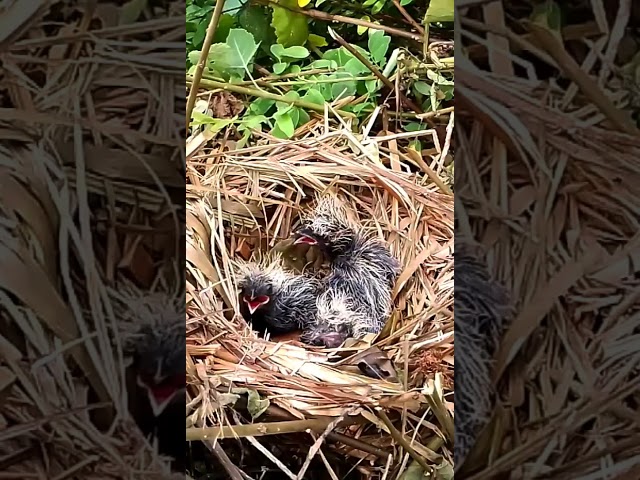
(293, 296)
(481, 309)
(152, 326)
(363, 271)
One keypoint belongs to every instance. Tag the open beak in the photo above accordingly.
(305, 240)
(254, 304)
(159, 398)
(159, 404)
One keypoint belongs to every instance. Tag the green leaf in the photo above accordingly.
(416, 145)
(304, 117)
(549, 16)
(191, 11)
(342, 56)
(291, 27)
(404, 3)
(295, 52)
(261, 106)
(413, 472)
(215, 124)
(277, 50)
(361, 30)
(194, 56)
(295, 116)
(313, 96)
(232, 6)
(437, 78)
(440, 11)
(130, 11)
(444, 471)
(447, 90)
(198, 36)
(244, 48)
(284, 107)
(256, 19)
(413, 127)
(323, 63)
(325, 90)
(284, 123)
(378, 45)
(276, 132)
(422, 87)
(371, 85)
(255, 405)
(254, 121)
(345, 88)
(379, 5)
(279, 67)
(368, 3)
(225, 23)
(355, 67)
(363, 106)
(221, 60)
(317, 41)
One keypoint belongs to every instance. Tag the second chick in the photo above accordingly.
(357, 295)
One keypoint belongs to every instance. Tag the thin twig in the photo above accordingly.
(204, 54)
(316, 446)
(225, 461)
(262, 94)
(409, 18)
(255, 429)
(408, 102)
(589, 86)
(271, 457)
(398, 437)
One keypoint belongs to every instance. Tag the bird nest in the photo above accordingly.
(246, 202)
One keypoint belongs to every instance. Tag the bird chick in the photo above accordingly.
(274, 299)
(357, 291)
(481, 309)
(155, 344)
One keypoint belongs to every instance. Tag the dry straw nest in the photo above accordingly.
(242, 201)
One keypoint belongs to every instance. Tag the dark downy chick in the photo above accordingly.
(155, 344)
(274, 299)
(481, 310)
(357, 296)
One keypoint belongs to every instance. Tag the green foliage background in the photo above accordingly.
(305, 64)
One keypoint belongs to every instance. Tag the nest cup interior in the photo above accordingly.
(259, 196)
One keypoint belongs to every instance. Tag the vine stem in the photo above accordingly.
(387, 83)
(260, 93)
(256, 429)
(409, 18)
(328, 17)
(197, 77)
